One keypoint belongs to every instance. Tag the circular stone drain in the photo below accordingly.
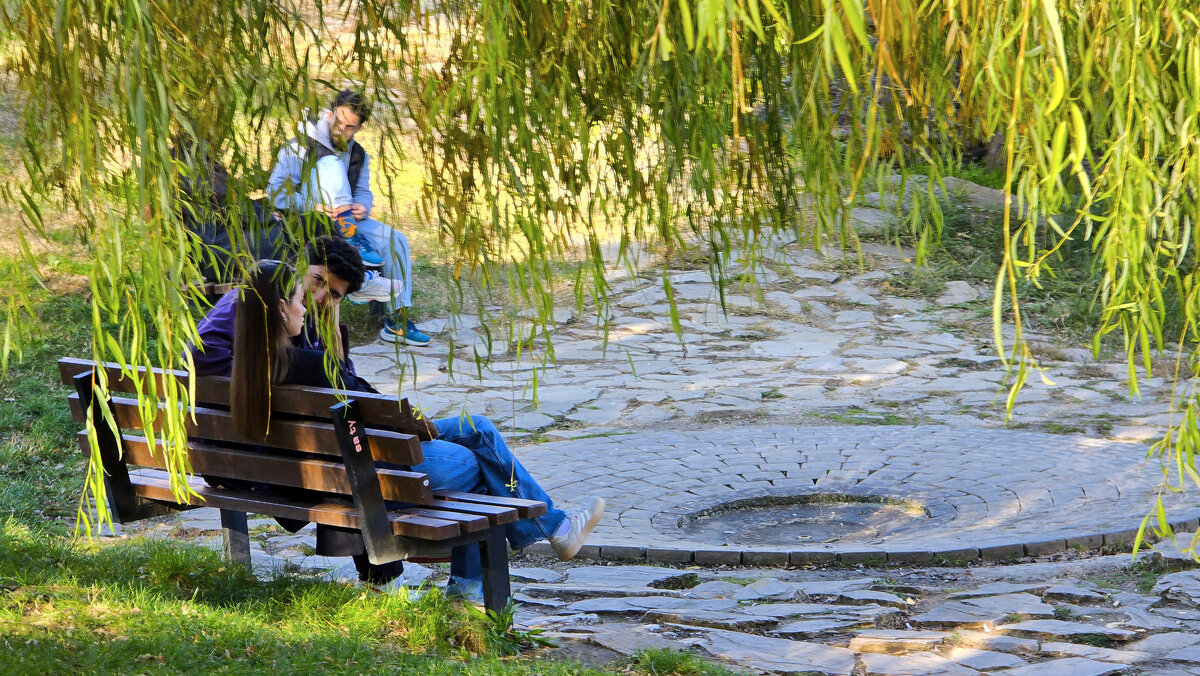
(805, 519)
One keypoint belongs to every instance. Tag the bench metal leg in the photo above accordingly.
(493, 554)
(237, 536)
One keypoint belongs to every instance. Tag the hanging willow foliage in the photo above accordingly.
(550, 127)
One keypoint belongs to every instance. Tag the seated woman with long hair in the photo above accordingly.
(270, 312)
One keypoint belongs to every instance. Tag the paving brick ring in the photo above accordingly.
(992, 494)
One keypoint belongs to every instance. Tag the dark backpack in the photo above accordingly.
(205, 209)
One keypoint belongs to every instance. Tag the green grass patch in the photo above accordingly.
(733, 579)
(142, 606)
(1096, 640)
(662, 662)
(41, 468)
(971, 249)
(942, 561)
(1055, 427)
(1140, 575)
(682, 581)
(858, 416)
(968, 171)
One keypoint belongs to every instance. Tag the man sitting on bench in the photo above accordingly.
(467, 454)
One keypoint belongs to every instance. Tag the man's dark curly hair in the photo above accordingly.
(340, 257)
(355, 102)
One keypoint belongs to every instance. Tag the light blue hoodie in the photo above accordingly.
(326, 182)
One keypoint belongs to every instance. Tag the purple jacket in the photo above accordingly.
(216, 337)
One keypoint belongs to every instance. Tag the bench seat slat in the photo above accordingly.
(311, 474)
(526, 509)
(154, 484)
(307, 436)
(469, 523)
(496, 514)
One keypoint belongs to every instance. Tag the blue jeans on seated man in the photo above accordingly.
(393, 247)
(470, 455)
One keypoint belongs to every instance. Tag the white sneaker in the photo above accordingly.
(583, 520)
(376, 287)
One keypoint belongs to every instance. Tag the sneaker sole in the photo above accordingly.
(355, 299)
(569, 553)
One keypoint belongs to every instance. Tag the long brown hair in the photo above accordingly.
(261, 346)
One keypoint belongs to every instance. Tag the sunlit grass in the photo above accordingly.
(143, 606)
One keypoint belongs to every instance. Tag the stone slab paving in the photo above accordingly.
(1011, 643)
(827, 343)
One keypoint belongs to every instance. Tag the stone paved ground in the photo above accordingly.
(835, 385)
(828, 346)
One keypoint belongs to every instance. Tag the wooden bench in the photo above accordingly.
(317, 443)
(213, 291)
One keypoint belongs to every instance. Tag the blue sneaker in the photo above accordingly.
(370, 257)
(408, 335)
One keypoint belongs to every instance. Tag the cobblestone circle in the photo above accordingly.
(991, 494)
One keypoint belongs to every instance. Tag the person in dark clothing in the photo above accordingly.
(226, 224)
(461, 454)
(335, 271)
(268, 319)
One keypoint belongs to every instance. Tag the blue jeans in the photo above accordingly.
(392, 246)
(470, 455)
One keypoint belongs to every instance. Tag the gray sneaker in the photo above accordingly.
(583, 520)
(376, 287)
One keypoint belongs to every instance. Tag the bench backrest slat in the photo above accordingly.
(314, 402)
(296, 472)
(308, 436)
(155, 484)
